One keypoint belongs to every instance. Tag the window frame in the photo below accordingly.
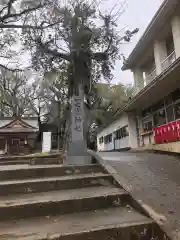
(14, 140)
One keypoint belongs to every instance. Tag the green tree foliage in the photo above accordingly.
(107, 99)
(75, 42)
(83, 38)
(106, 102)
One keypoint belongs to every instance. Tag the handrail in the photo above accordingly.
(169, 56)
(150, 77)
(169, 60)
(152, 73)
(145, 82)
(138, 88)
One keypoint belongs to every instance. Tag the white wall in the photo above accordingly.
(160, 54)
(121, 143)
(138, 79)
(147, 139)
(152, 138)
(132, 127)
(100, 147)
(176, 34)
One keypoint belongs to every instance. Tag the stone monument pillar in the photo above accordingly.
(77, 149)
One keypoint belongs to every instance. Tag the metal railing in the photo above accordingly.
(134, 91)
(138, 88)
(169, 60)
(150, 77)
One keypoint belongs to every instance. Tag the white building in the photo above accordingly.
(155, 63)
(120, 134)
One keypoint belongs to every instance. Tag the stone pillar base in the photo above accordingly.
(78, 160)
(77, 154)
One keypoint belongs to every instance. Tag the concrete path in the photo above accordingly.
(154, 180)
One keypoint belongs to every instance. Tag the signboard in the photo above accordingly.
(46, 144)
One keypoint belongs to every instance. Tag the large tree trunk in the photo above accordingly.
(40, 129)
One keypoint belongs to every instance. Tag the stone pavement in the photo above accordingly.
(154, 180)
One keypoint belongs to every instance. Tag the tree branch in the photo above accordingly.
(6, 104)
(10, 69)
(53, 52)
(109, 45)
(100, 56)
(9, 6)
(3, 9)
(19, 26)
(15, 15)
(50, 24)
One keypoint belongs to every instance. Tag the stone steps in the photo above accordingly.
(28, 171)
(60, 202)
(32, 159)
(44, 202)
(36, 161)
(54, 183)
(15, 162)
(95, 225)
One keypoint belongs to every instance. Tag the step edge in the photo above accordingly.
(73, 177)
(36, 166)
(119, 226)
(109, 226)
(120, 193)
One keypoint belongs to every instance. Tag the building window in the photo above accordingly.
(176, 95)
(160, 118)
(125, 131)
(122, 132)
(101, 140)
(108, 138)
(164, 111)
(168, 100)
(147, 123)
(118, 134)
(147, 126)
(169, 45)
(177, 111)
(170, 114)
(15, 141)
(158, 106)
(54, 138)
(146, 112)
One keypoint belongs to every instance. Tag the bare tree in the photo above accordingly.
(14, 15)
(15, 93)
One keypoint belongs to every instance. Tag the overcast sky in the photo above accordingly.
(138, 13)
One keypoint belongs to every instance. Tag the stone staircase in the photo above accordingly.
(31, 159)
(43, 202)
